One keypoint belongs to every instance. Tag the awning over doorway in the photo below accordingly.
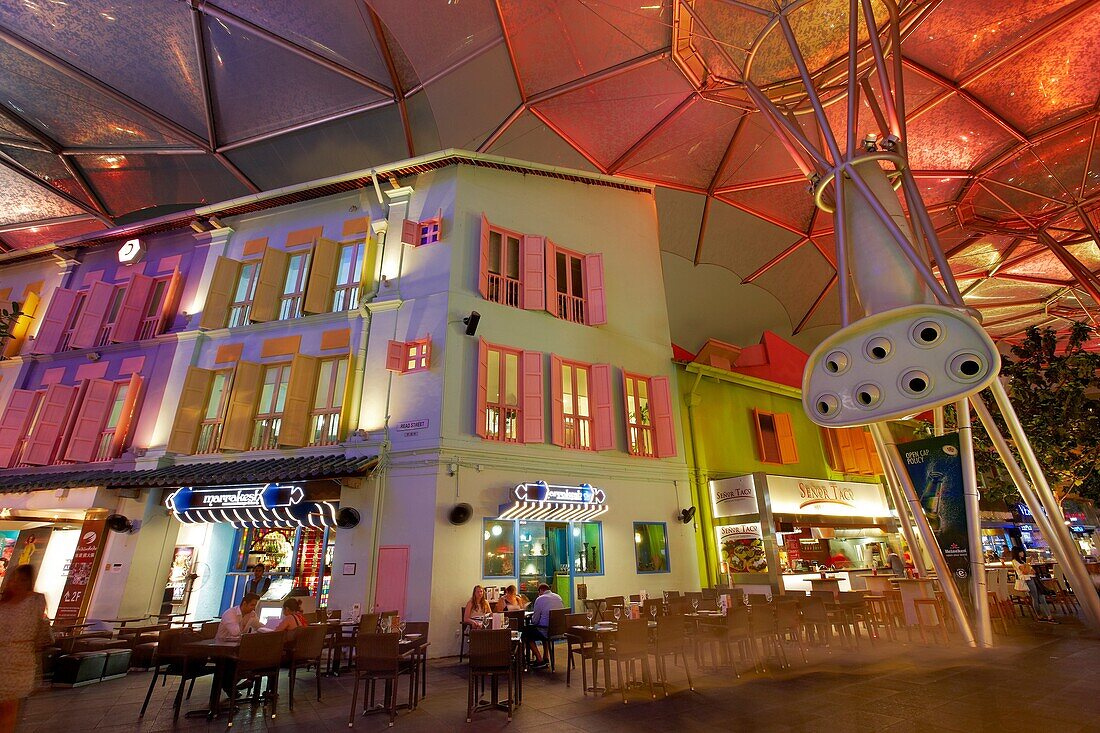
(540, 501)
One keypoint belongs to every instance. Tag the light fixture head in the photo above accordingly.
(890, 142)
(870, 143)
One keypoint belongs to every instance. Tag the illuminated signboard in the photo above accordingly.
(730, 497)
(130, 252)
(257, 505)
(543, 501)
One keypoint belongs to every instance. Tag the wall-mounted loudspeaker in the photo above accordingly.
(460, 513)
(119, 523)
(347, 518)
(686, 515)
(471, 322)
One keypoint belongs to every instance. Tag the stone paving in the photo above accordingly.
(1039, 678)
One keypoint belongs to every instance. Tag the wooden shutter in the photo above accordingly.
(44, 437)
(169, 306)
(534, 416)
(22, 324)
(190, 410)
(533, 272)
(96, 303)
(603, 418)
(55, 321)
(595, 300)
(269, 285)
(480, 426)
(126, 416)
(299, 401)
(557, 403)
(859, 450)
(483, 259)
(410, 232)
(16, 422)
(219, 296)
(239, 418)
(784, 433)
(551, 279)
(660, 415)
(395, 356)
(90, 419)
(132, 311)
(370, 267)
(322, 277)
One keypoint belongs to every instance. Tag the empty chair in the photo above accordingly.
(305, 652)
(171, 660)
(491, 658)
(709, 594)
(788, 622)
(763, 631)
(758, 599)
(578, 648)
(378, 657)
(671, 639)
(421, 651)
(632, 644)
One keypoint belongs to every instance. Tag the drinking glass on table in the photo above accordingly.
(653, 612)
(618, 612)
(591, 614)
(401, 626)
(695, 604)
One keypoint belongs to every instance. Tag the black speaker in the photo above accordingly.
(471, 322)
(119, 523)
(686, 515)
(347, 518)
(460, 513)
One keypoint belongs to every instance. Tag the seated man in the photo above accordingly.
(539, 627)
(239, 620)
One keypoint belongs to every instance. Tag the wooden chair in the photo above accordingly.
(879, 617)
(170, 660)
(671, 639)
(260, 657)
(930, 616)
(632, 644)
(816, 624)
(788, 622)
(421, 652)
(555, 632)
(464, 633)
(378, 657)
(305, 651)
(491, 658)
(997, 611)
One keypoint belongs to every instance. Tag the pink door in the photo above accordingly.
(393, 579)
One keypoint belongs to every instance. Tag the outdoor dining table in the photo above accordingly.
(220, 652)
(602, 633)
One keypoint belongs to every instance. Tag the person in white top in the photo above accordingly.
(1027, 580)
(239, 620)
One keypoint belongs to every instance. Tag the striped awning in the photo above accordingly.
(548, 503)
(257, 505)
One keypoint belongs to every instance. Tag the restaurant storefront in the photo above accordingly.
(779, 532)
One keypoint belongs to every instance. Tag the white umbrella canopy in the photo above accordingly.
(112, 108)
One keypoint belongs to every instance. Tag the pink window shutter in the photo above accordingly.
(534, 416)
(603, 419)
(557, 403)
(170, 305)
(55, 321)
(480, 425)
(660, 412)
(90, 418)
(534, 272)
(410, 232)
(551, 279)
(133, 309)
(15, 423)
(594, 295)
(91, 318)
(52, 417)
(126, 418)
(395, 356)
(483, 266)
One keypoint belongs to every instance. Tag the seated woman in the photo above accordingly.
(293, 618)
(511, 601)
(476, 606)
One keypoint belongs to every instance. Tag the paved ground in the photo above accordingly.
(1039, 678)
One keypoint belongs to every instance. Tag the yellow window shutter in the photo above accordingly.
(192, 404)
(322, 277)
(370, 266)
(872, 451)
(237, 431)
(784, 432)
(832, 452)
(859, 449)
(19, 329)
(846, 456)
(294, 431)
(269, 285)
(215, 313)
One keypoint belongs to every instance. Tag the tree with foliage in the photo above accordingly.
(1055, 389)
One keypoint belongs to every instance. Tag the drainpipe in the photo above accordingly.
(699, 475)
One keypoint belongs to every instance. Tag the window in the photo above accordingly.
(332, 378)
(107, 435)
(151, 316)
(243, 294)
(111, 317)
(294, 287)
(503, 267)
(409, 356)
(213, 415)
(576, 413)
(569, 269)
(587, 551)
(349, 271)
(74, 316)
(639, 423)
(269, 412)
(851, 450)
(775, 437)
(428, 231)
(498, 559)
(651, 547)
(502, 406)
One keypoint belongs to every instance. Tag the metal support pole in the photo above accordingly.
(947, 583)
(983, 627)
(1059, 537)
(937, 421)
(892, 484)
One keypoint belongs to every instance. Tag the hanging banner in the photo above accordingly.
(935, 467)
(82, 570)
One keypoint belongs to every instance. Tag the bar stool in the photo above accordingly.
(880, 617)
(921, 605)
(997, 610)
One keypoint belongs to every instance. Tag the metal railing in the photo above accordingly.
(345, 298)
(502, 423)
(265, 433)
(641, 440)
(570, 308)
(290, 307)
(210, 433)
(503, 290)
(104, 336)
(148, 328)
(326, 428)
(577, 432)
(103, 448)
(239, 314)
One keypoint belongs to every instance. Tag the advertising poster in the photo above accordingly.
(82, 569)
(935, 467)
(179, 575)
(7, 547)
(742, 548)
(30, 548)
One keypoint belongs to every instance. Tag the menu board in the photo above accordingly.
(741, 548)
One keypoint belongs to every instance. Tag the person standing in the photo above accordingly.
(897, 565)
(1027, 580)
(259, 582)
(539, 628)
(25, 631)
